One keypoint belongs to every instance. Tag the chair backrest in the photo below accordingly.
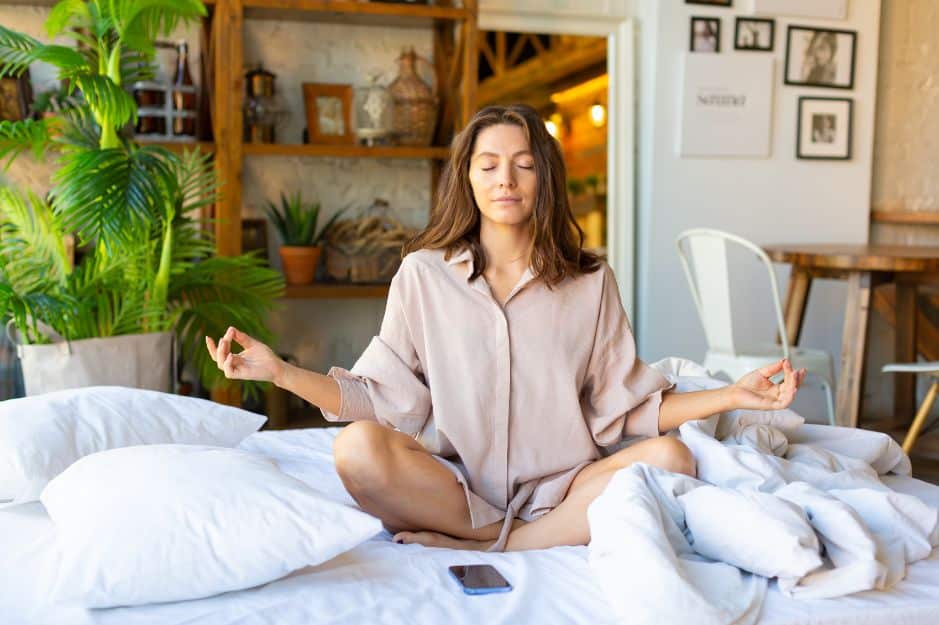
(709, 279)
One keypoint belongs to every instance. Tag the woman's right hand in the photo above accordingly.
(256, 361)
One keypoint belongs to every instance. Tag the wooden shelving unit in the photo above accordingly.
(327, 290)
(455, 59)
(343, 151)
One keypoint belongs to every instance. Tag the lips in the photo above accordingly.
(508, 199)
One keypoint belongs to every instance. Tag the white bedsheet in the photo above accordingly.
(381, 582)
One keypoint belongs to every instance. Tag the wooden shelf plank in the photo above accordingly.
(350, 12)
(344, 151)
(922, 218)
(336, 291)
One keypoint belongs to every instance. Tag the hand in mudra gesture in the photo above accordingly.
(755, 390)
(256, 361)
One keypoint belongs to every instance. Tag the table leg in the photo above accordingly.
(797, 294)
(904, 393)
(853, 349)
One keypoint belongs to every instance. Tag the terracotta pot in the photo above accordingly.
(299, 263)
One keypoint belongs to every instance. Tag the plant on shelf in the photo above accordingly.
(149, 266)
(296, 222)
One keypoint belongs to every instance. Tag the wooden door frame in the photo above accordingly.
(582, 17)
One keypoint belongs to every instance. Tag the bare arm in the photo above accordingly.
(320, 390)
(753, 391)
(257, 361)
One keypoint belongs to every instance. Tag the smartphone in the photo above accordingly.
(479, 579)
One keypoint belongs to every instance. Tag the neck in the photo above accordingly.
(505, 245)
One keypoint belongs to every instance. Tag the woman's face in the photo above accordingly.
(823, 53)
(502, 175)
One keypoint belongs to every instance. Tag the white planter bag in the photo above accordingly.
(135, 360)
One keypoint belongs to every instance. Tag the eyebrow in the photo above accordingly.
(496, 155)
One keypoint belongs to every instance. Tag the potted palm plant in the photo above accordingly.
(296, 223)
(149, 277)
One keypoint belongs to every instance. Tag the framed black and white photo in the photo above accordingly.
(820, 57)
(705, 34)
(824, 128)
(713, 3)
(754, 34)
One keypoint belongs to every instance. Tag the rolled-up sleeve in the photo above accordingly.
(621, 395)
(386, 384)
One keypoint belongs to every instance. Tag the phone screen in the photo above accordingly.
(479, 576)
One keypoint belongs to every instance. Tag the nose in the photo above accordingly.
(506, 176)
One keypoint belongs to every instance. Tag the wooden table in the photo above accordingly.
(864, 267)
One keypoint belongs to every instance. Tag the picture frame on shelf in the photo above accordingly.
(820, 57)
(705, 34)
(329, 113)
(824, 128)
(16, 97)
(754, 34)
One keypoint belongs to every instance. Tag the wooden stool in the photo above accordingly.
(931, 369)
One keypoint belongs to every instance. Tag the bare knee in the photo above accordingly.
(363, 455)
(673, 455)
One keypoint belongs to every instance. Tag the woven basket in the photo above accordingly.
(376, 267)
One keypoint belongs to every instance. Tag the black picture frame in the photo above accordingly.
(772, 34)
(717, 34)
(800, 154)
(819, 83)
(712, 3)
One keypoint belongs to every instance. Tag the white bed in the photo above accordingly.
(382, 582)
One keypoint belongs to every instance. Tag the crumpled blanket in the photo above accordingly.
(775, 499)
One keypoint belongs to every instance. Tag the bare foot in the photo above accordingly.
(436, 539)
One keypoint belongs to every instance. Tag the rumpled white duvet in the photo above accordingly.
(774, 500)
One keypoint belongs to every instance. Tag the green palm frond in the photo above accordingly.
(140, 22)
(16, 50)
(17, 137)
(32, 246)
(67, 14)
(128, 188)
(108, 100)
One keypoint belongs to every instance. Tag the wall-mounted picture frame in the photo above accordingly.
(820, 57)
(824, 128)
(754, 34)
(705, 34)
(16, 97)
(712, 3)
(329, 113)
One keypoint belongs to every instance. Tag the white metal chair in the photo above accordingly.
(931, 369)
(709, 279)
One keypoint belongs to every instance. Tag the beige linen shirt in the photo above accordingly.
(519, 396)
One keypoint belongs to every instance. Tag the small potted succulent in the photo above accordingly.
(296, 222)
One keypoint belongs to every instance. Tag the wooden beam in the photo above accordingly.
(927, 334)
(543, 69)
(500, 52)
(227, 122)
(468, 93)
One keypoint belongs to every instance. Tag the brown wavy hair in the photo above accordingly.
(557, 240)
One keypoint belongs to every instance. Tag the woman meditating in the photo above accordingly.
(504, 362)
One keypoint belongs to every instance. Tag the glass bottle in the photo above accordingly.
(184, 94)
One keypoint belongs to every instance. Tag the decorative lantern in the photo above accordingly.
(264, 109)
(374, 109)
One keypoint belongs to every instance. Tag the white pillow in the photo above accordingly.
(174, 522)
(42, 435)
(752, 530)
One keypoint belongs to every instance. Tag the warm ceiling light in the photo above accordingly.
(552, 128)
(597, 114)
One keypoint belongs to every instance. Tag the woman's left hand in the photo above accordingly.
(755, 390)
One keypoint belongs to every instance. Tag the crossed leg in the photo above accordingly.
(393, 477)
